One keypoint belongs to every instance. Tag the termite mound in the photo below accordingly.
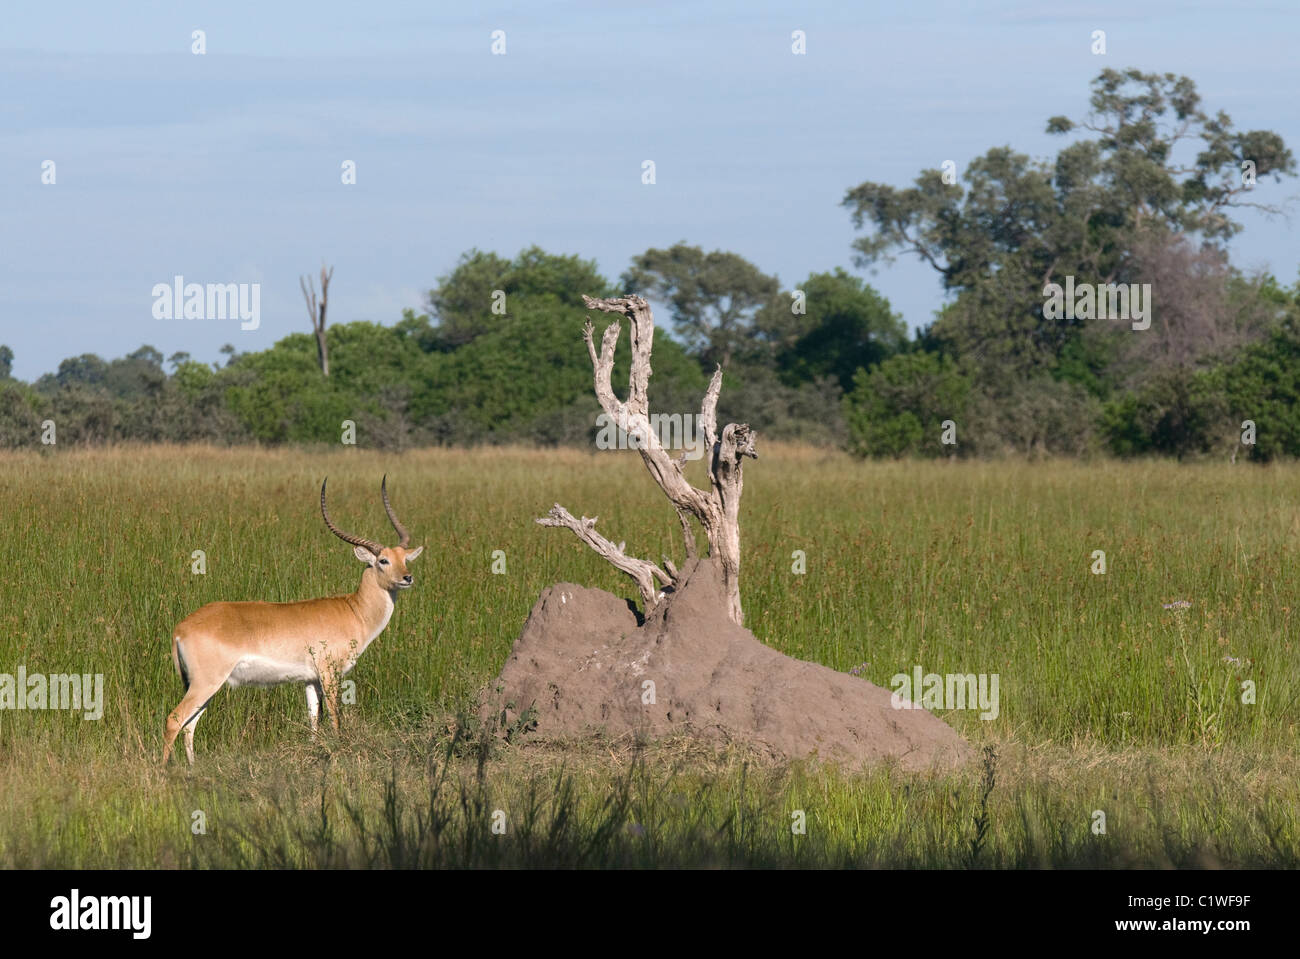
(588, 662)
(585, 666)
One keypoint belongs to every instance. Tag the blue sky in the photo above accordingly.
(225, 168)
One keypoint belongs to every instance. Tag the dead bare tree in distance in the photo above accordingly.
(316, 310)
(717, 510)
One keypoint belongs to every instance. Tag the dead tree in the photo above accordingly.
(717, 510)
(316, 310)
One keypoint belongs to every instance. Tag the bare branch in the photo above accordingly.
(308, 287)
(716, 510)
(634, 416)
(316, 311)
(604, 369)
(709, 417)
(324, 295)
(737, 443)
(587, 331)
(688, 534)
(642, 571)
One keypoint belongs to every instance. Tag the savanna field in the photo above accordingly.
(1109, 701)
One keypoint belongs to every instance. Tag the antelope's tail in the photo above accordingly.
(178, 660)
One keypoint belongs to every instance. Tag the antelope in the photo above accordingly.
(316, 641)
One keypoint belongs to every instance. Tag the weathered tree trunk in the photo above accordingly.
(717, 510)
(316, 310)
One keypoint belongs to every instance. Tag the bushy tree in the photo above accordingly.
(279, 395)
(810, 412)
(898, 406)
(20, 415)
(845, 325)
(1021, 224)
(461, 305)
(1263, 385)
(513, 381)
(713, 298)
(1131, 200)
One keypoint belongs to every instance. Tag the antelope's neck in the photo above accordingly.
(373, 604)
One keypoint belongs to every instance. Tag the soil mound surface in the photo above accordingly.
(583, 663)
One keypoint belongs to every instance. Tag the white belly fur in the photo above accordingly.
(254, 670)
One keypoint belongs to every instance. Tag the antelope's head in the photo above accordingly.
(388, 562)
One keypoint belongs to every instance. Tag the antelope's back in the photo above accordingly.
(272, 625)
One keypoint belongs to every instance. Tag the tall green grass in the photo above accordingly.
(967, 567)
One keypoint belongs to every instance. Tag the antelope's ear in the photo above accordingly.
(365, 555)
(414, 553)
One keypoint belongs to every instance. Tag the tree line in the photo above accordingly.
(1140, 200)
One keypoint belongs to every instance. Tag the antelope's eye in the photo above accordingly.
(383, 561)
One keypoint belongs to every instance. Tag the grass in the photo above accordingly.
(1109, 702)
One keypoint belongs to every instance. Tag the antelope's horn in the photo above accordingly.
(405, 537)
(346, 537)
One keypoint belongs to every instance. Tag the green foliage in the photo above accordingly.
(531, 374)
(1263, 385)
(714, 297)
(280, 396)
(898, 406)
(1017, 225)
(474, 375)
(1139, 118)
(1175, 413)
(1121, 203)
(1033, 416)
(462, 304)
(809, 412)
(1197, 410)
(848, 325)
(20, 419)
(1087, 360)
